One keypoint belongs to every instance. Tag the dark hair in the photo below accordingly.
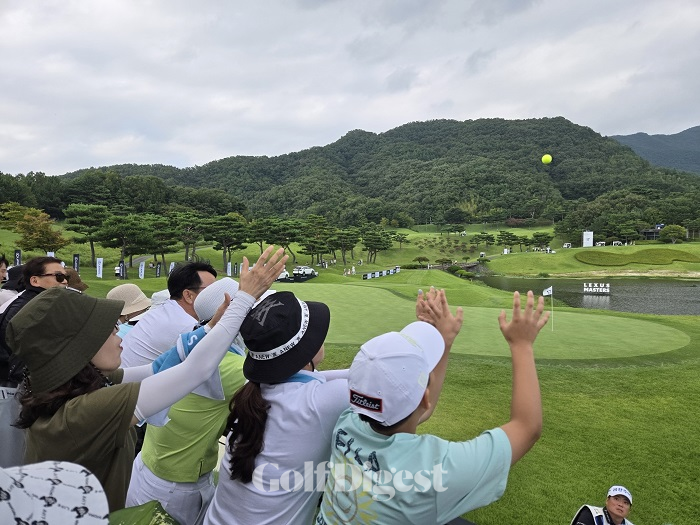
(383, 429)
(46, 404)
(246, 421)
(37, 266)
(184, 276)
(3, 260)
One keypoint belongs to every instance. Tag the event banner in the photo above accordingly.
(100, 262)
(381, 273)
(142, 269)
(76, 262)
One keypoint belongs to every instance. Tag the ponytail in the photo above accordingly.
(246, 422)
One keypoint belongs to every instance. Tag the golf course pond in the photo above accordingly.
(646, 296)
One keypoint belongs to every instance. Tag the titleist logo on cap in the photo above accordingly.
(370, 403)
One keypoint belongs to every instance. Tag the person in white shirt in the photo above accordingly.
(282, 419)
(157, 331)
(615, 511)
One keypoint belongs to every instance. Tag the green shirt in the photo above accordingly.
(93, 430)
(188, 446)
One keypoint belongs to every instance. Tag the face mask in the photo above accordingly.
(123, 329)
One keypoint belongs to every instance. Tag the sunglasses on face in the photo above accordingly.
(60, 277)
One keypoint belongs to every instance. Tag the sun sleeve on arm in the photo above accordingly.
(165, 388)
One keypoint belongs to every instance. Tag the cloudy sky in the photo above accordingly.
(99, 82)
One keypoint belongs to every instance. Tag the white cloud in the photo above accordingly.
(182, 83)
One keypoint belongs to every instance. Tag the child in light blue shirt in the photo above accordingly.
(381, 471)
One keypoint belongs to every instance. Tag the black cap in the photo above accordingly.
(14, 278)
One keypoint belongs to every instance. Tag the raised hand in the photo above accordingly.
(433, 308)
(257, 280)
(524, 325)
(525, 425)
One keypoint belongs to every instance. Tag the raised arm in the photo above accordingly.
(433, 308)
(162, 390)
(525, 425)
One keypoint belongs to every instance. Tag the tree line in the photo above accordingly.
(444, 172)
(160, 234)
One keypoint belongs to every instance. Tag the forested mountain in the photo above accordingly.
(680, 151)
(442, 170)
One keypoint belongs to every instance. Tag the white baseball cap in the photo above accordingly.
(159, 297)
(389, 374)
(52, 492)
(620, 490)
(210, 298)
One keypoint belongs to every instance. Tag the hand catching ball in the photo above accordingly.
(546, 159)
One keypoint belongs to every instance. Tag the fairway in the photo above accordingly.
(359, 313)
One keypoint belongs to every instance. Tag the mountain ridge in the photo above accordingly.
(679, 151)
(487, 168)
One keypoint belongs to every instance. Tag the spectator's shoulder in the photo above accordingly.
(584, 516)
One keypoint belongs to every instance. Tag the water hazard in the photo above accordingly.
(646, 296)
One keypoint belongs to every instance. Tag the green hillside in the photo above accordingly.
(485, 169)
(680, 151)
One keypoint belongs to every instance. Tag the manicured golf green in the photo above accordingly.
(619, 394)
(359, 313)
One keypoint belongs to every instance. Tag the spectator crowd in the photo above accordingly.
(133, 396)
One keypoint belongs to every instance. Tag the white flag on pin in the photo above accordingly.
(547, 291)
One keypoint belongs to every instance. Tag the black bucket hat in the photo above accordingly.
(282, 335)
(57, 333)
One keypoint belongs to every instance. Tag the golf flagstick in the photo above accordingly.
(552, 302)
(550, 291)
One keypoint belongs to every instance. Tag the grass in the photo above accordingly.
(619, 394)
(646, 259)
(577, 334)
(626, 420)
(648, 256)
(619, 390)
(641, 258)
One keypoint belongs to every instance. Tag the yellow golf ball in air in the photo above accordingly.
(546, 159)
